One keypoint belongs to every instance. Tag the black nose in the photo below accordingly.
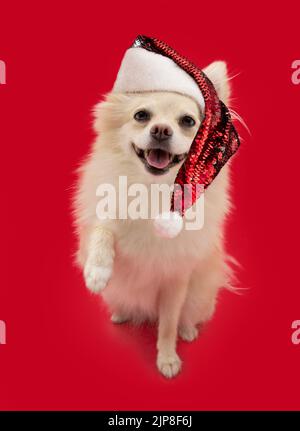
(161, 132)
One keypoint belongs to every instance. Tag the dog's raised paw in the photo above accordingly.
(188, 333)
(96, 276)
(169, 365)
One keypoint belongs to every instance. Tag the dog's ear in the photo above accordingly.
(217, 73)
(108, 114)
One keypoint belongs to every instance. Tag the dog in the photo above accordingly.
(142, 277)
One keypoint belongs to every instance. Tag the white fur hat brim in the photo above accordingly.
(142, 70)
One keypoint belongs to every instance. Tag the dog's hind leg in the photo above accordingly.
(202, 291)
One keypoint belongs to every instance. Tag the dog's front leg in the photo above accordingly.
(99, 263)
(171, 301)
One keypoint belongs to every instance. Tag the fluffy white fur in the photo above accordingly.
(141, 276)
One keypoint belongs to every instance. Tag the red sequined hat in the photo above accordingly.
(151, 64)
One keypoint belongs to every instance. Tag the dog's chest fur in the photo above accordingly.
(145, 263)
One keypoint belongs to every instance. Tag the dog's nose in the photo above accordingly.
(161, 132)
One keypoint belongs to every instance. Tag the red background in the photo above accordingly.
(62, 352)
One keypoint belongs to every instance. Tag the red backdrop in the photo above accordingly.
(62, 352)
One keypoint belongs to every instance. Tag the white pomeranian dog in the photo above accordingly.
(145, 136)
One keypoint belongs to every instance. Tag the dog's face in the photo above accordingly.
(154, 129)
(160, 130)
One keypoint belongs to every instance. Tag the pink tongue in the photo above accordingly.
(158, 158)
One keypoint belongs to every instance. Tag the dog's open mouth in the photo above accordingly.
(158, 161)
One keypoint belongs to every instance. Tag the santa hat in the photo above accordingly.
(152, 65)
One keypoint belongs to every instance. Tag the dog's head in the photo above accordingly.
(156, 129)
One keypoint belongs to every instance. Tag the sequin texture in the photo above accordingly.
(216, 140)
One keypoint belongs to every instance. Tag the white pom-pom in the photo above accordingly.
(168, 224)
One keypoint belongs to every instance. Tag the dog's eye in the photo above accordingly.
(187, 121)
(142, 115)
